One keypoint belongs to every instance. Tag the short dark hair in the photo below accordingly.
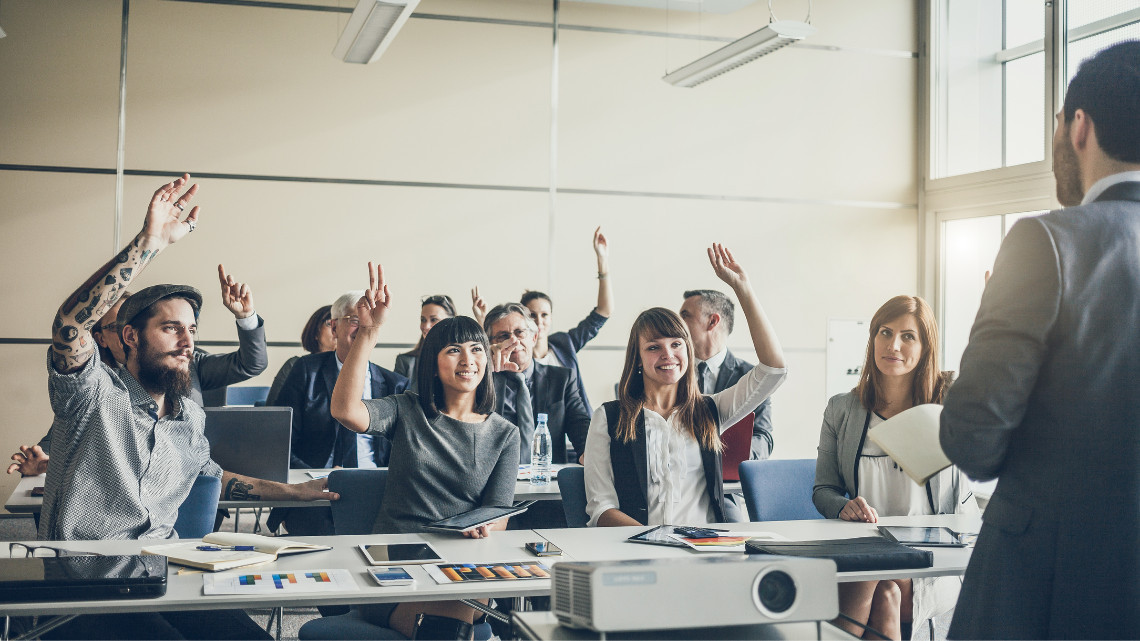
(1107, 88)
(143, 317)
(717, 303)
(449, 331)
(310, 335)
(531, 294)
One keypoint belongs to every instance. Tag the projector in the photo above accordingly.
(664, 594)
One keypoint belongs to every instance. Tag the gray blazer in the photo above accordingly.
(837, 459)
(1048, 400)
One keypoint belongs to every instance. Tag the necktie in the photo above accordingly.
(524, 415)
(704, 377)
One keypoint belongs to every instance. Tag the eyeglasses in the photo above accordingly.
(23, 551)
(435, 300)
(519, 333)
(353, 321)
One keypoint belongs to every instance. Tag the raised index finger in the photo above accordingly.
(371, 277)
(380, 275)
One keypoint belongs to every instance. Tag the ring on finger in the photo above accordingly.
(192, 225)
(180, 206)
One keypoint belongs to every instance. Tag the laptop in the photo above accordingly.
(253, 441)
(82, 578)
(737, 447)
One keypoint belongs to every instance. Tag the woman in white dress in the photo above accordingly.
(899, 372)
(654, 455)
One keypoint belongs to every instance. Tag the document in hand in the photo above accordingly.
(265, 549)
(911, 439)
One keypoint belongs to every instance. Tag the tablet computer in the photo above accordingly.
(479, 516)
(400, 553)
(922, 536)
(660, 535)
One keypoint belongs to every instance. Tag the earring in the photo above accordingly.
(638, 369)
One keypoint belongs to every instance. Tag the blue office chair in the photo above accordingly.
(779, 490)
(361, 492)
(246, 395)
(196, 514)
(572, 486)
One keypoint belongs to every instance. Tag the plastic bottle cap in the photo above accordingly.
(542, 417)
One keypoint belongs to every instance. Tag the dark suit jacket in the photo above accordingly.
(731, 371)
(556, 395)
(1048, 400)
(308, 390)
(566, 346)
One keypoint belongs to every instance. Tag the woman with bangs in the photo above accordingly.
(450, 452)
(654, 455)
(855, 480)
(433, 309)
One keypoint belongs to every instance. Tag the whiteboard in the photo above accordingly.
(846, 350)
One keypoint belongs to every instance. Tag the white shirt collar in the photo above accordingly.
(715, 361)
(1103, 184)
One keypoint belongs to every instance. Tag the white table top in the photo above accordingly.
(543, 626)
(609, 544)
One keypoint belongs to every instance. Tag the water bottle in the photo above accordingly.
(540, 453)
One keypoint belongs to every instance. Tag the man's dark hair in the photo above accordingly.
(143, 317)
(310, 336)
(715, 302)
(458, 330)
(1107, 88)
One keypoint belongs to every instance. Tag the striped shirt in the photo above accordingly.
(117, 471)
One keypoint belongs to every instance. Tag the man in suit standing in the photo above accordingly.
(319, 441)
(1047, 399)
(709, 315)
(550, 389)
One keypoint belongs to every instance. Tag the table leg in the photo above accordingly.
(42, 628)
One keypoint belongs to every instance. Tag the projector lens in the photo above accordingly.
(777, 591)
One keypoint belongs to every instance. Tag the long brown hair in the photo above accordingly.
(930, 383)
(692, 411)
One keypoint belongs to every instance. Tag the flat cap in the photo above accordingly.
(143, 299)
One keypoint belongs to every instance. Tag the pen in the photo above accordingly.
(220, 548)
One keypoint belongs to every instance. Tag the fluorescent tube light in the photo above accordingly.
(776, 35)
(371, 28)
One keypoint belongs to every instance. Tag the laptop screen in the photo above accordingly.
(253, 441)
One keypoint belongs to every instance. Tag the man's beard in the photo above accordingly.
(156, 377)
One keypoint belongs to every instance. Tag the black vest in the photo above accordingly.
(630, 463)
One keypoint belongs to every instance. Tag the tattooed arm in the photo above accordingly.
(72, 343)
(236, 487)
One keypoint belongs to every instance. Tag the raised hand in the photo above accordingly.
(372, 308)
(164, 222)
(726, 267)
(478, 305)
(29, 461)
(601, 245)
(236, 296)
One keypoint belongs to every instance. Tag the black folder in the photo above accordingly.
(75, 578)
(850, 555)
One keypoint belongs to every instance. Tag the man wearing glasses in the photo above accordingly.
(319, 441)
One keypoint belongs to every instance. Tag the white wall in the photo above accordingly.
(776, 152)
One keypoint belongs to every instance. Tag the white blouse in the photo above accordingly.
(677, 492)
(885, 485)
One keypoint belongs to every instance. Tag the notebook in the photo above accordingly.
(911, 439)
(737, 446)
(252, 441)
(266, 549)
(82, 578)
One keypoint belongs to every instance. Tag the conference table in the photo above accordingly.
(185, 588)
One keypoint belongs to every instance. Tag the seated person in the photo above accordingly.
(439, 468)
(900, 371)
(525, 388)
(316, 337)
(432, 310)
(208, 372)
(129, 441)
(319, 441)
(654, 455)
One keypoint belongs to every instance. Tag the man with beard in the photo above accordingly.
(1047, 397)
(127, 441)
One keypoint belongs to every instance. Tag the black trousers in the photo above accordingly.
(197, 624)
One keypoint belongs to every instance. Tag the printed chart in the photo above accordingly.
(462, 572)
(277, 582)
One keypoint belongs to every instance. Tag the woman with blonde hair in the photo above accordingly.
(856, 481)
(654, 455)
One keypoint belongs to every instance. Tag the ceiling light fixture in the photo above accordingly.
(371, 28)
(777, 35)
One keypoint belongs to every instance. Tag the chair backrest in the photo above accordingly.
(779, 490)
(737, 446)
(246, 395)
(361, 492)
(572, 486)
(196, 514)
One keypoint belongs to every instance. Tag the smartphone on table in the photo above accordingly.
(389, 575)
(543, 548)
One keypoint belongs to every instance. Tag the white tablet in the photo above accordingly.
(400, 553)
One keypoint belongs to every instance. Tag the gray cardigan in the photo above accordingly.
(837, 455)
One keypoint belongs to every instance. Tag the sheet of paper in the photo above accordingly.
(473, 572)
(727, 541)
(269, 582)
